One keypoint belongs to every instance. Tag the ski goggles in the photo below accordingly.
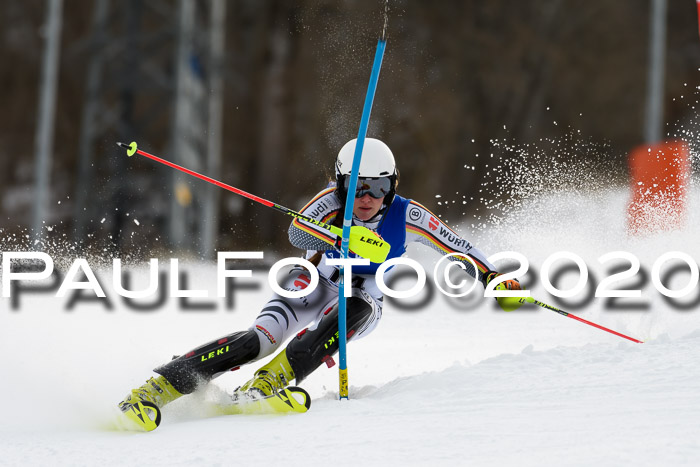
(375, 187)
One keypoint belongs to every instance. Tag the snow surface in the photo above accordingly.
(447, 385)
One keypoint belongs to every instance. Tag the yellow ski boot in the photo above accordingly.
(268, 380)
(142, 405)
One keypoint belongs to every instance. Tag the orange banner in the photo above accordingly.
(659, 176)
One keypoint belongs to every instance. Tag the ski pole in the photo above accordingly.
(363, 241)
(564, 313)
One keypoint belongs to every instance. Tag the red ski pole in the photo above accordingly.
(363, 241)
(562, 312)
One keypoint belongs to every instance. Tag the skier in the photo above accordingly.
(313, 319)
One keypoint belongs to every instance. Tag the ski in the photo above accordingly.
(146, 416)
(288, 400)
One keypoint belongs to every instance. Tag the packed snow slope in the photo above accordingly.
(454, 383)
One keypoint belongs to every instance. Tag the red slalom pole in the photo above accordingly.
(564, 313)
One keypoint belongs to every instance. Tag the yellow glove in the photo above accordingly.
(506, 303)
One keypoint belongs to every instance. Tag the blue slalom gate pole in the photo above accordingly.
(347, 217)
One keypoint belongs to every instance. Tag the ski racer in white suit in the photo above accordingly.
(312, 321)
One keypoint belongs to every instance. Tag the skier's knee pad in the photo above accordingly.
(206, 362)
(311, 347)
